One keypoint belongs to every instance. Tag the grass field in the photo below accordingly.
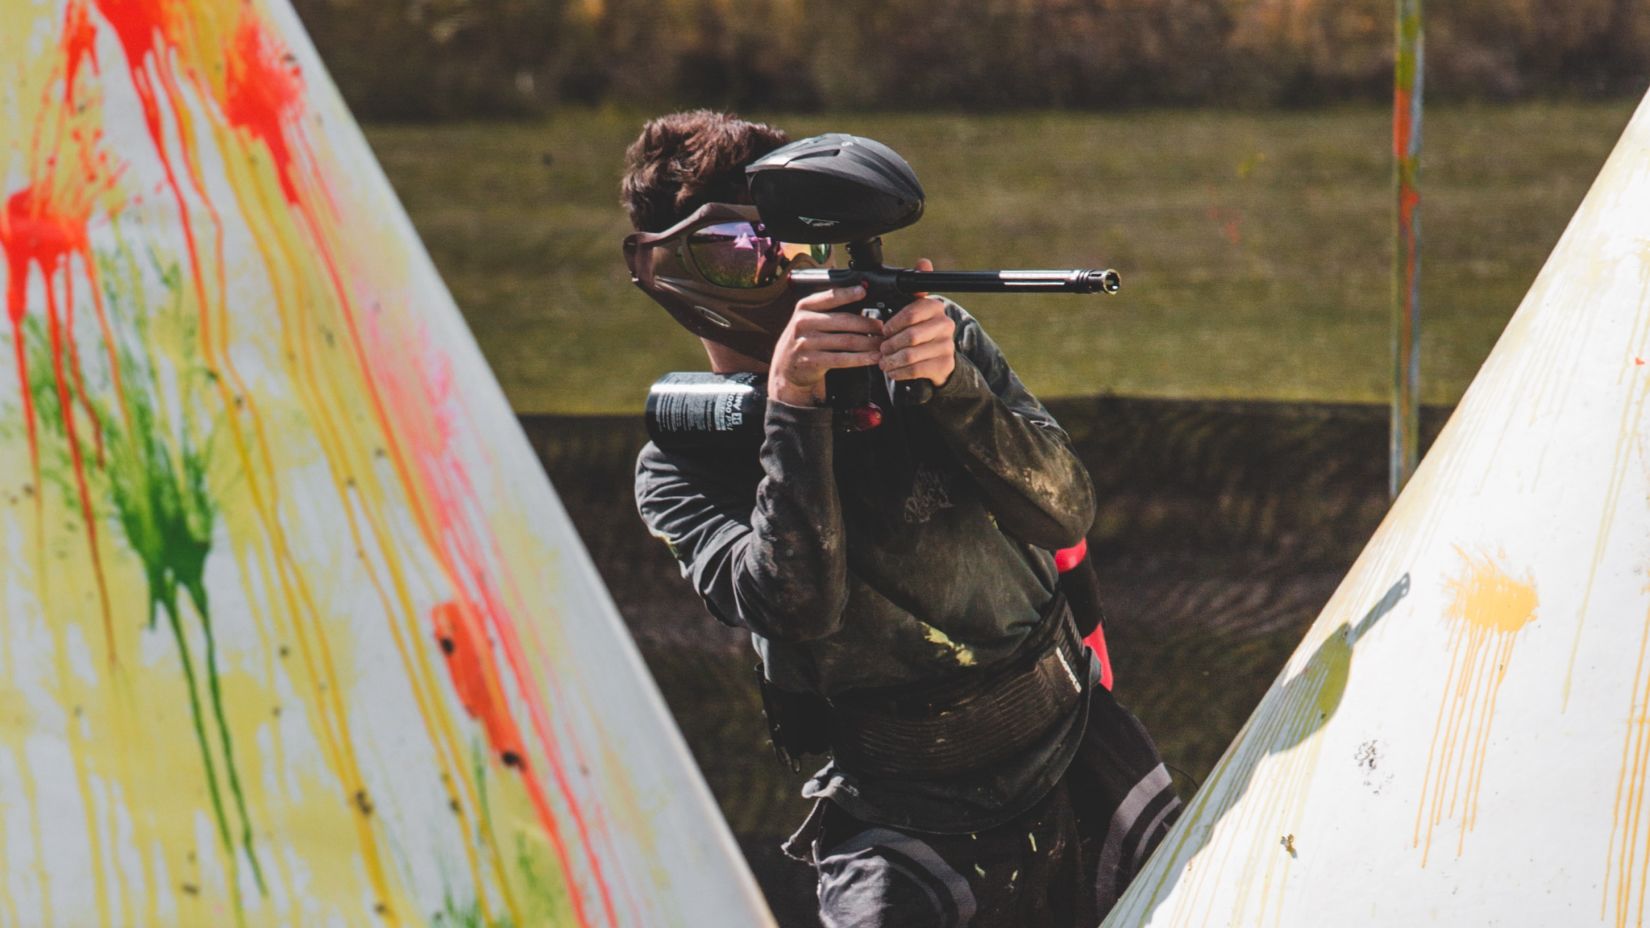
(1255, 247)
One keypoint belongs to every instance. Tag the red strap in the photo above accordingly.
(1067, 558)
(1064, 560)
(1097, 643)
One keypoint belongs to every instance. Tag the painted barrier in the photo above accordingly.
(1463, 738)
(293, 630)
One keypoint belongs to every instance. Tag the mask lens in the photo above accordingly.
(740, 256)
(735, 255)
(817, 255)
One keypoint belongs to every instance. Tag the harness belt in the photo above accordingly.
(970, 721)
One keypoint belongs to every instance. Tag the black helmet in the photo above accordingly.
(834, 188)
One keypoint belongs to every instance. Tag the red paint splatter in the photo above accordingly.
(264, 94)
(1403, 126)
(1230, 222)
(38, 230)
(138, 24)
(32, 233)
(76, 370)
(79, 43)
(28, 236)
(145, 28)
(1638, 362)
(1408, 200)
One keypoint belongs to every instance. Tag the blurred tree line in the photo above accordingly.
(434, 59)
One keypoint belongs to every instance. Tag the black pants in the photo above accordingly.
(1062, 862)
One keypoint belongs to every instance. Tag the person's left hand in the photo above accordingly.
(917, 343)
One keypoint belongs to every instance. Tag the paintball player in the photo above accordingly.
(898, 582)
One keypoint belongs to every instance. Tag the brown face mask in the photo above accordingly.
(722, 276)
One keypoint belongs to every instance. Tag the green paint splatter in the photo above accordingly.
(455, 914)
(547, 896)
(167, 515)
(156, 478)
(548, 891)
(478, 767)
(158, 484)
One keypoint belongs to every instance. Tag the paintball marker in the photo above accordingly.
(850, 190)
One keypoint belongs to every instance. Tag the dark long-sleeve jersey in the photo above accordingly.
(918, 551)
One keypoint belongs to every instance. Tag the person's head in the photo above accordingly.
(682, 161)
(699, 249)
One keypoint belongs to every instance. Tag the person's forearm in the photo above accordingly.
(1032, 481)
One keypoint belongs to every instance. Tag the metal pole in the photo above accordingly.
(1406, 284)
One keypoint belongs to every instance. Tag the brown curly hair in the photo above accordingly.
(682, 161)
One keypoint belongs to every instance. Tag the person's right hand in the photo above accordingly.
(817, 341)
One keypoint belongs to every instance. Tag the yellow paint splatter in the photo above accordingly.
(1489, 607)
(1629, 849)
(962, 652)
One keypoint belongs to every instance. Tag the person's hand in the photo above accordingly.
(817, 341)
(917, 342)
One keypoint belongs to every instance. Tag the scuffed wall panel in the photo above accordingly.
(293, 629)
(1463, 738)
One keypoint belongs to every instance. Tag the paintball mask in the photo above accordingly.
(723, 276)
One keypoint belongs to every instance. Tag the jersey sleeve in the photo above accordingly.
(775, 564)
(1008, 443)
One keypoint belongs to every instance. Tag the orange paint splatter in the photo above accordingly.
(1489, 609)
(475, 673)
(424, 404)
(469, 656)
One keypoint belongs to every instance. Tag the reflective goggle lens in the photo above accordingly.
(737, 255)
(819, 255)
